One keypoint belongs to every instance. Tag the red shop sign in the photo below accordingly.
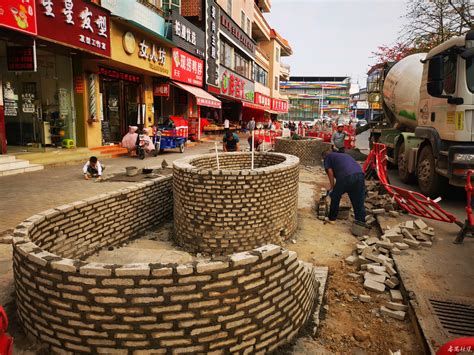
(279, 105)
(161, 90)
(186, 68)
(119, 75)
(76, 23)
(19, 15)
(21, 59)
(263, 100)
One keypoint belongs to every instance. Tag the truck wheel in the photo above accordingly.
(402, 162)
(181, 148)
(431, 183)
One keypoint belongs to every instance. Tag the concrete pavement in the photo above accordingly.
(26, 194)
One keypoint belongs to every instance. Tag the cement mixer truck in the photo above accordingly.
(424, 113)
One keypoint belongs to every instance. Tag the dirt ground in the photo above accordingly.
(348, 325)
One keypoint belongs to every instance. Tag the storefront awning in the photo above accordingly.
(253, 106)
(202, 97)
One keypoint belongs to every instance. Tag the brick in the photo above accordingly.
(173, 308)
(164, 271)
(66, 265)
(167, 334)
(412, 243)
(203, 304)
(351, 260)
(240, 259)
(400, 315)
(396, 306)
(175, 342)
(374, 277)
(210, 266)
(402, 246)
(396, 295)
(420, 224)
(148, 300)
(199, 331)
(133, 270)
(110, 300)
(95, 269)
(364, 298)
(374, 286)
(177, 316)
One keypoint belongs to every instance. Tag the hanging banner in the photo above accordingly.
(77, 23)
(19, 15)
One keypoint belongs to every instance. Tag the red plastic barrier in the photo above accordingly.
(412, 202)
(6, 342)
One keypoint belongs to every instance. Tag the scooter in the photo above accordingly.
(141, 145)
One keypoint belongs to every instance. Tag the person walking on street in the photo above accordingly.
(251, 125)
(230, 142)
(338, 137)
(345, 176)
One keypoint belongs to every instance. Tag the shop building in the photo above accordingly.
(312, 97)
(185, 96)
(39, 96)
(118, 92)
(268, 67)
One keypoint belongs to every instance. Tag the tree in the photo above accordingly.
(428, 23)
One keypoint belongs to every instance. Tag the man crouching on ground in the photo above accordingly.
(345, 176)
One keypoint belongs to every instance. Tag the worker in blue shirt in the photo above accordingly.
(345, 176)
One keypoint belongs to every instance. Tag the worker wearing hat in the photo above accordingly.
(338, 137)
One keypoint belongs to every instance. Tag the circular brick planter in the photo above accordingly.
(309, 150)
(249, 302)
(234, 209)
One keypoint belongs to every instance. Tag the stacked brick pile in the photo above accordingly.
(252, 301)
(308, 150)
(234, 209)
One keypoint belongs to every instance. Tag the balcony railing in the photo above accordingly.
(261, 24)
(284, 71)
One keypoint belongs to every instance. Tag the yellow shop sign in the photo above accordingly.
(141, 51)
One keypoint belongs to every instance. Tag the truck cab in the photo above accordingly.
(445, 119)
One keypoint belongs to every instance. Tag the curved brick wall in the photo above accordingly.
(308, 150)
(252, 301)
(234, 209)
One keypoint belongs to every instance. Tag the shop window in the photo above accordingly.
(174, 5)
(229, 7)
(226, 54)
(242, 20)
(242, 66)
(261, 75)
(277, 84)
(277, 54)
(249, 27)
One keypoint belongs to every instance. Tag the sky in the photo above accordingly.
(336, 37)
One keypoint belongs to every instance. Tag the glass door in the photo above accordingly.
(132, 106)
(111, 125)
